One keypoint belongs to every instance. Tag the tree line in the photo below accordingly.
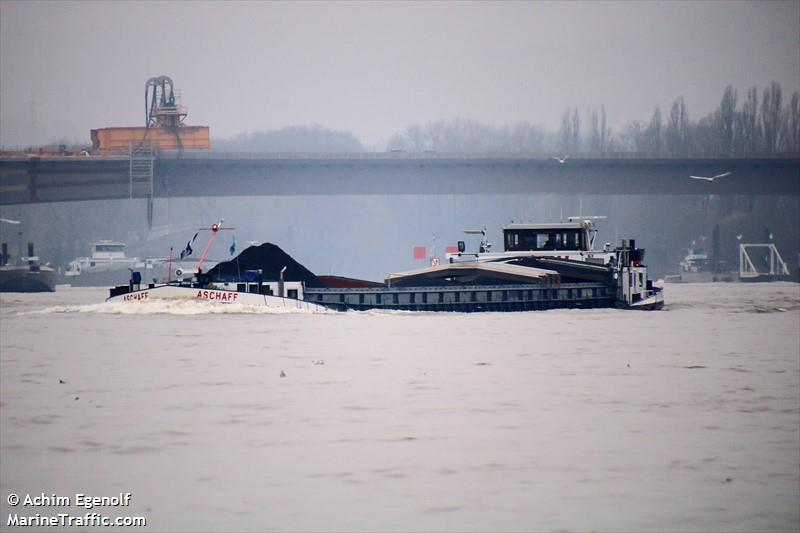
(291, 139)
(759, 126)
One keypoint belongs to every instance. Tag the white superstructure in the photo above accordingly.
(573, 240)
(572, 243)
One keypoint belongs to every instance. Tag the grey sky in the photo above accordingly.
(374, 68)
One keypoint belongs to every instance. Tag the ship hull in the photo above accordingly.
(652, 303)
(468, 299)
(176, 292)
(702, 277)
(25, 279)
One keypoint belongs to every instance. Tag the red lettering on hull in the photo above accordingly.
(217, 296)
(135, 296)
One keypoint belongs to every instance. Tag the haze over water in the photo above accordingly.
(685, 419)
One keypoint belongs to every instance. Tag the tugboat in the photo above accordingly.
(543, 266)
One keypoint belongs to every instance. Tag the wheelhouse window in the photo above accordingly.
(110, 247)
(545, 241)
(512, 241)
(574, 240)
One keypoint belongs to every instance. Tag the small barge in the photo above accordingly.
(543, 266)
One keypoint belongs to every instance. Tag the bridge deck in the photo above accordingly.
(207, 173)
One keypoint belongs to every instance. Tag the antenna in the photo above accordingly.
(586, 217)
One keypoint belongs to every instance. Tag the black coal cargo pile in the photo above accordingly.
(268, 258)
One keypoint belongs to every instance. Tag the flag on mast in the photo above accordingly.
(186, 252)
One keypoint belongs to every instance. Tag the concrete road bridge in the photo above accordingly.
(33, 179)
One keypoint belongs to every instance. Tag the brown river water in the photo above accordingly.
(686, 419)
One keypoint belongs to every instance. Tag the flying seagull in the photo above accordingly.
(9, 221)
(712, 178)
(561, 159)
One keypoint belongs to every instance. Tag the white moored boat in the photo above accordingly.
(104, 266)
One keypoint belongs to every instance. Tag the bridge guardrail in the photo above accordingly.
(8, 155)
(402, 155)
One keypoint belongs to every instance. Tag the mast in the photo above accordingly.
(215, 229)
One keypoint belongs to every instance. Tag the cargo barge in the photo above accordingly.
(543, 266)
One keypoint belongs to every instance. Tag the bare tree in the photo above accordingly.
(605, 131)
(565, 134)
(727, 110)
(653, 135)
(396, 142)
(677, 135)
(570, 133)
(600, 134)
(750, 129)
(415, 138)
(739, 140)
(791, 126)
(707, 139)
(633, 137)
(594, 134)
(771, 115)
(576, 131)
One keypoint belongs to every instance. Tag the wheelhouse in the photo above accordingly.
(568, 236)
(108, 249)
